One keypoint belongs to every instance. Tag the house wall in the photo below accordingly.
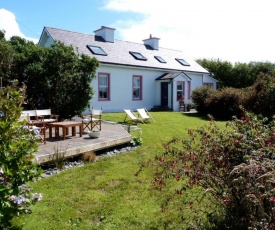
(209, 80)
(121, 89)
(196, 80)
(46, 40)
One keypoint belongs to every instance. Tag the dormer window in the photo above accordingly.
(138, 56)
(181, 61)
(97, 50)
(160, 59)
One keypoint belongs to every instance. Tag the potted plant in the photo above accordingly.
(94, 133)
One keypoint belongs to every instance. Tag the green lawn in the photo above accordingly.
(107, 194)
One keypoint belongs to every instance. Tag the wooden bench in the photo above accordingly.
(46, 115)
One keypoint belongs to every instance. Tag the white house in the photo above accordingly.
(134, 75)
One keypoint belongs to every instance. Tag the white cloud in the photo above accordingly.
(9, 24)
(233, 30)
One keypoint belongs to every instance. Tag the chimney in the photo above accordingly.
(106, 33)
(152, 41)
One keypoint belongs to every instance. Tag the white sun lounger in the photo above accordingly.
(131, 114)
(145, 115)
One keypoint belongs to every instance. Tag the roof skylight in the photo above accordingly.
(181, 61)
(160, 59)
(97, 50)
(138, 56)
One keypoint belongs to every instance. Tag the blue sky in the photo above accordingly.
(231, 30)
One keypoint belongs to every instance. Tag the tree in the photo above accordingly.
(239, 75)
(221, 70)
(6, 58)
(26, 54)
(17, 150)
(56, 77)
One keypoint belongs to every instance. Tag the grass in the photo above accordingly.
(107, 194)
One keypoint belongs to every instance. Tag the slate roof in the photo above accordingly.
(118, 52)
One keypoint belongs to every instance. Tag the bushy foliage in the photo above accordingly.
(6, 58)
(200, 96)
(56, 77)
(227, 102)
(16, 157)
(261, 96)
(238, 75)
(235, 166)
(222, 104)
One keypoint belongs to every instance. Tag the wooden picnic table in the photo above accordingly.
(65, 125)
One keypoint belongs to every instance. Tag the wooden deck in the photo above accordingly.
(111, 135)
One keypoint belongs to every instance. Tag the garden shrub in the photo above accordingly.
(221, 104)
(225, 103)
(261, 96)
(235, 166)
(200, 96)
(17, 150)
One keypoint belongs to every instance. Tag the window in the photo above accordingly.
(97, 50)
(138, 56)
(160, 59)
(137, 87)
(103, 86)
(181, 61)
(211, 85)
(180, 90)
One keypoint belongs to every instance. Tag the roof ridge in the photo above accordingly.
(68, 31)
(114, 39)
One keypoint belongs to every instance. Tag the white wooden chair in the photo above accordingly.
(145, 115)
(92, 120)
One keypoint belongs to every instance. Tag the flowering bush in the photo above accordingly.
(235, 166)
(16, 157)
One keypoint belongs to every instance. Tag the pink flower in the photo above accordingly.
(227, 201)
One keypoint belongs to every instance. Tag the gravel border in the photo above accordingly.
(78, 162)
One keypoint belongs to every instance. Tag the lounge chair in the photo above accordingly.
(145, 115)
(131, 114)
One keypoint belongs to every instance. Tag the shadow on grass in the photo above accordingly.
(202, 117)
(198, 115)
